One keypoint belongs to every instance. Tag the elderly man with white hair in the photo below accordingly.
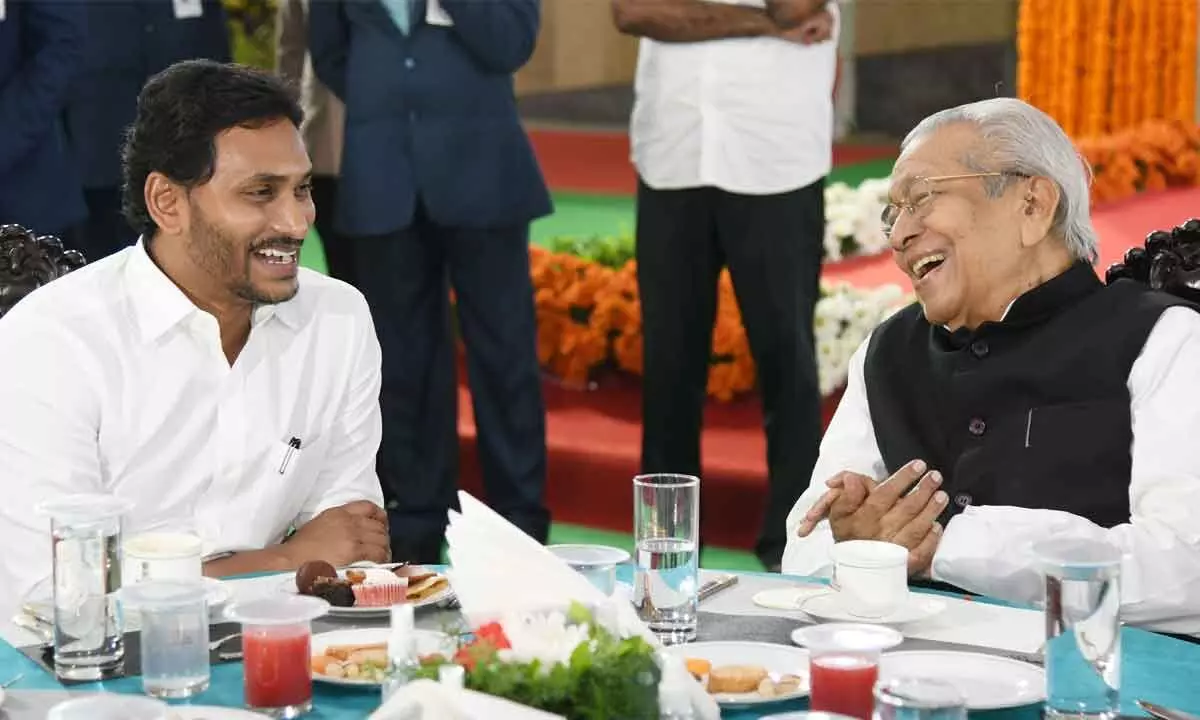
(1021, 398)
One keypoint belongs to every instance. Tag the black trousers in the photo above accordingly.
(772, 246)
(339, 250)
(406, 277)
(105, 230)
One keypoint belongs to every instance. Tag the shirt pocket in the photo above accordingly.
(1075, 457)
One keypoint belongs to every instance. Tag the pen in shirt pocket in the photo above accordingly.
(293, 448)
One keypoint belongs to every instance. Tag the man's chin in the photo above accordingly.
(275, 292)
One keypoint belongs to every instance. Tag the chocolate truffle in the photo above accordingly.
(335, 591)
(310, 571)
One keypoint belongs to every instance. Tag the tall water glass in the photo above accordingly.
(174, 636)
(88, 623)
(918, 699)
(666, 526)
(1083, 627)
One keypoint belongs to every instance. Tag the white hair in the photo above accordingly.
(1020, 139)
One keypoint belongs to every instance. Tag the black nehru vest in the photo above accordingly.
(1032, 411)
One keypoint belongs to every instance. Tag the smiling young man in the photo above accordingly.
(200, 374)
(1022, 397)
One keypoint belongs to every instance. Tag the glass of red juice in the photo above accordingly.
(276, 654)
(843, 661)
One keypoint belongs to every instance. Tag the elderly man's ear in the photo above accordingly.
(1039, 202)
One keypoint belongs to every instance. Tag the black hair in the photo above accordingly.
(180, 112)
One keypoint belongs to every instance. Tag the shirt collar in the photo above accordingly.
(159, 305)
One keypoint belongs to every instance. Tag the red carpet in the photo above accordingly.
(594, 437)
(599, 162)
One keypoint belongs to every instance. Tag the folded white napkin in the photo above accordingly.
(428, 700)
(496, 569)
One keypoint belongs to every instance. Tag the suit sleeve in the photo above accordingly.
(501, 34)
(33, 99)
(329, 44)
(217, 29)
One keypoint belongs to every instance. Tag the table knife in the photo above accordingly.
(1165, 713)
(716, 585)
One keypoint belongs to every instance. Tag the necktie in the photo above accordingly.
(399, 11)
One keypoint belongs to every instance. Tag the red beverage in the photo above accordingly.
(843, 684)
(278, 666)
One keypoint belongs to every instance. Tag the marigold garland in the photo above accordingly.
(1155, 155)
(1103, 66)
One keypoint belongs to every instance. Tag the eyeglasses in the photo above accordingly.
(921, 193)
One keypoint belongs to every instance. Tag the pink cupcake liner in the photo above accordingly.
(383, 595)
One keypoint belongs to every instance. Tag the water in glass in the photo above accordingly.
(1083, 629)
(666, 511)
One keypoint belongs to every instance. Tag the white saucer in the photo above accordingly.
(988, 682)
(211, 712)
(789, 598)
(830, 606)
(777, 660)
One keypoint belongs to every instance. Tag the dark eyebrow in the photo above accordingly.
(274, 178)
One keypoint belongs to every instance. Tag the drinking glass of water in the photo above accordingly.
(1083, 627)
(88, 624)
(174, 637)
(918, 699)
(666, 526)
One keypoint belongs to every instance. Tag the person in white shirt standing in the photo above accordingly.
(201, 374)
(732, 136)
(1021, 399)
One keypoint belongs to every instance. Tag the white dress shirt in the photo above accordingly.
(752, 116)
(986, 549)
(113, 382)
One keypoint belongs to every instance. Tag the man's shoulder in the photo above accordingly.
(901, 326)
(87, 297)
(322, 296)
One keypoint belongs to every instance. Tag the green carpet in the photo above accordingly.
(582, 215)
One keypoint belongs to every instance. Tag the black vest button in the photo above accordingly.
(962, 500)
(980, 349)
(977, 427)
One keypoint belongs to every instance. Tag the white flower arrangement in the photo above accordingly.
(845, 316)
(852, 219)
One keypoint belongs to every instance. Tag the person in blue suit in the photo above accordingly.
(439, 184)
(41, 45)
(128, 42)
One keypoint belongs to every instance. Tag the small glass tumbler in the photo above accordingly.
(1083, 627)
(174, 636)
(277, 652)
(89, 625)
(597, 563)
(918, 699)
(666, 526)
(844, 665)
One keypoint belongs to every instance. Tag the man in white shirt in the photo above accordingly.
(732, 136)
(1024, 398)
(201, 374)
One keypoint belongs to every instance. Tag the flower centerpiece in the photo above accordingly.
(852, 219)
(575, 663)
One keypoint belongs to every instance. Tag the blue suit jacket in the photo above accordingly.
(129, 41)
(41, 49)
(430, 115)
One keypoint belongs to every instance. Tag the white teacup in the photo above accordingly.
(161, 556)
(871, 576)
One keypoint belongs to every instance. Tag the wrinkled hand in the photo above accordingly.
(858, 509)
(343, 535)
(815, 29)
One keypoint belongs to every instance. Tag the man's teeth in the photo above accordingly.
(927, 263)
(278, 257)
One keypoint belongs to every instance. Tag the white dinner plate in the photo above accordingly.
(289, 586)
(831, 607)
(212, 712)
(777, 660)
(988, 682)
(429, 642)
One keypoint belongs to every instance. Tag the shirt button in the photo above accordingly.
(962, 500)
(977, 427)
(980, 349)
(410, 63)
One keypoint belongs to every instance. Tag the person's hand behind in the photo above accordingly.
(343, 535)
(815, 29)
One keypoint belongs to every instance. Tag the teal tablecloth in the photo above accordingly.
(1157, 668)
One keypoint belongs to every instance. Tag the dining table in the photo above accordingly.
(1154, 667)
